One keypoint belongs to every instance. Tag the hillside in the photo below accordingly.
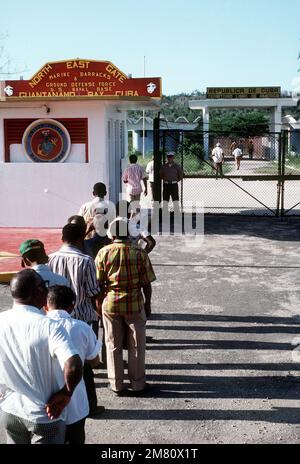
(173, 106)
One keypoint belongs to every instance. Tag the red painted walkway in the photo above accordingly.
(11, 238)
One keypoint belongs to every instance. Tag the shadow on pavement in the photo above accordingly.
(276, 415)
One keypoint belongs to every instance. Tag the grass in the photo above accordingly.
(204, 169)
(271, 169)
(191, 166)
(292, 165)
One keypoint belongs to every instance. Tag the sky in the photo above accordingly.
(190, 44)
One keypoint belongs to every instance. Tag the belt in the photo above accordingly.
(171, 182)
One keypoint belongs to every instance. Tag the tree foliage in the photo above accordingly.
(240, 122)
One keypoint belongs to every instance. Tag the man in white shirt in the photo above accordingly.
(34, 255)
(60, 304)
(97, 214)
(32, 399)
(96, 206)
(133, 175)
(218, 159)
(237, 153)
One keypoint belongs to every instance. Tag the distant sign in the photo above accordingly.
(243, 92)
(80, 79)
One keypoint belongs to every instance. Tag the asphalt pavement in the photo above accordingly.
(222, 358)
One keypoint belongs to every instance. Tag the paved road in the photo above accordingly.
(219, 357)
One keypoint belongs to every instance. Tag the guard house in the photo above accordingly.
(243, 97)
(60, 133)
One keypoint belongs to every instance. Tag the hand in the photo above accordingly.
(89, 226)
(57, 403)
(145, 192)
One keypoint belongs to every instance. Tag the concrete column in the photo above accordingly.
(205, 116)
(135, 140)
(275, 127)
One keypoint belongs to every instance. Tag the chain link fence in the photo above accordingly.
(265, 181)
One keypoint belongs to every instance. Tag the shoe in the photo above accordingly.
(94, 412)
(118, 392)
(147, 389)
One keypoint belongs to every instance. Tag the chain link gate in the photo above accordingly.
(265, 185)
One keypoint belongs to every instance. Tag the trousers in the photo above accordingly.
(132, 328)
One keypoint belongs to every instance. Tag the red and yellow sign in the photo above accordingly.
(81, 79)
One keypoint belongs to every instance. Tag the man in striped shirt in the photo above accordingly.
(133, 175)
(80, 271)
(125, 274)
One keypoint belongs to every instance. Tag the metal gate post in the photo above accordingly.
(283, 145)
(182, 155)
(157, 160)
(279, 186)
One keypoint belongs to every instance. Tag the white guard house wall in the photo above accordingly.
(45, 194)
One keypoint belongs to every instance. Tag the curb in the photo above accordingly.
(5, 277)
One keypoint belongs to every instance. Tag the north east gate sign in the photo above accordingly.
(80, 79)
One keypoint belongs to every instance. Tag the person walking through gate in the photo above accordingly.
(133, 175)
(171, 173)
(251, 149)
(232, 147)
(237, 153)
(218, 159)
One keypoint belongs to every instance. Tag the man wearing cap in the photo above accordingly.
(218, 158)
(171, 173)
(34, 255)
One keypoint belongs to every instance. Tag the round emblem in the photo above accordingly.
(46, 141)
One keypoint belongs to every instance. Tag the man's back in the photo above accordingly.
(88, 348)
(30, 345)
(237, 152)
(79, 269)
(124, 270)
(217, 154)
(133, 175)
(47, 275)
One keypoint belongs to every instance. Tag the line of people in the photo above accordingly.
(49, 339)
